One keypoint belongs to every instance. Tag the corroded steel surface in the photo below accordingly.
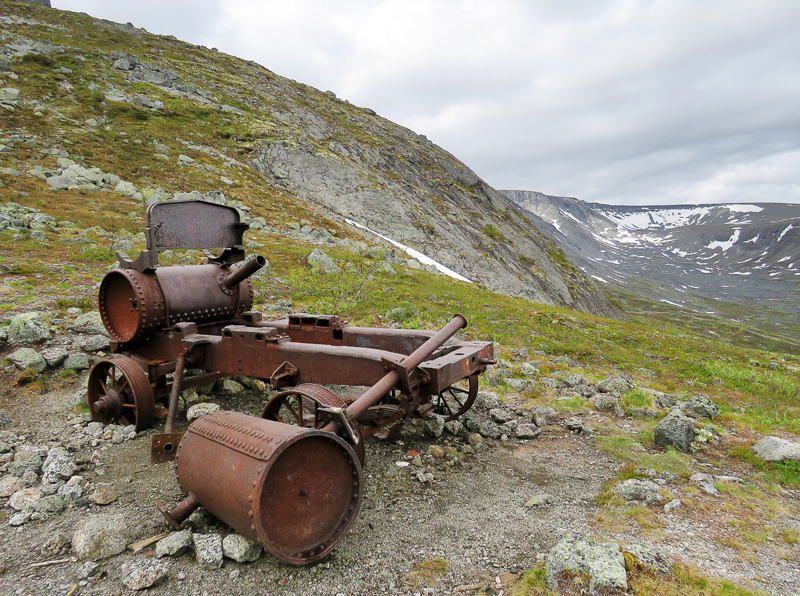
(136, 304)
(296, 490)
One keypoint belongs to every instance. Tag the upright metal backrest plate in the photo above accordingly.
(193, 224)
(190, 224)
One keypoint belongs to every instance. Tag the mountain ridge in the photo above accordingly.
(696, 255)
(100, 86)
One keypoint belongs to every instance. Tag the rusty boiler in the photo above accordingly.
(295, 490)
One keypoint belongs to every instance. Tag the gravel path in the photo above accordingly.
(470, 526)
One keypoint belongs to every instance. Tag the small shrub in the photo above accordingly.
(493, 233)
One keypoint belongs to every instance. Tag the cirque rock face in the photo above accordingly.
(745, 253)
(309, 148)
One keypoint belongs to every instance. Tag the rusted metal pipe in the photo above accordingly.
(237, 276)
(373, 395)
(177, 381)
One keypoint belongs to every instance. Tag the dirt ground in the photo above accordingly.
(467, 531)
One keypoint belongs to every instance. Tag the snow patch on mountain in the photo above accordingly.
(727, 243)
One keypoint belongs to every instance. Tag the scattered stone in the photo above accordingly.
(699, 406)
(58, 466)
(486, 428)
(539, 500)
(94, 343)
(25, 499)
(208, 550)
(77, 361)
(674, 430)
(174, 545)
(90, 323)
(634, 489)
(650, 559)
(51, 504)
(542, 416)
(87, 570)
(28, 358)
(776, 449)
(143, 574)
(604, 402)
(320, 260)
(230, 386)
(487, 400)
(9, 485)
(434, 426)
(54, 356)
(575, 425)
(528, 431)
(105, 493)
(454, 427)
(500, 416)
(518, 384)
(705, 482)
(616, 386)
(241, 549)
(101, 536)
(201, 409)
(602, 562)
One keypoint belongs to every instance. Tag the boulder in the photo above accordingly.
(528, 431)
(319, 260)
(615, 385)
(601, 562)
(28, 328)
(199, 410)
(143, 574)
(90, 323)
(174, 545)
(77, 361)
(543, 415)
(25, 499)
(699, 406)
(777, 449)
(101, 536)
(28, 358)
(208, 550)
(674, 430)
(241, 549)
(649, 559)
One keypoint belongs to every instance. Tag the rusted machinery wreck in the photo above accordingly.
(290, 478)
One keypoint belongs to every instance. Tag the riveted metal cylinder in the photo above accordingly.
(296, 490)
(134, 304)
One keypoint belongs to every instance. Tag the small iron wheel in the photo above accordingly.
(300, 406)
(456, 399)
(120, 392)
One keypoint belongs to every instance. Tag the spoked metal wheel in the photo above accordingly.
(120, 392)
(304, 406)
(456, 399)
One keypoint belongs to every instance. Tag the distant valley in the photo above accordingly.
(740, 262)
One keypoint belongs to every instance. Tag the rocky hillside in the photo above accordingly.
(169, 117)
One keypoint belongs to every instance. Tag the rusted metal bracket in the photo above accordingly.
(347, 424)
(282, 375)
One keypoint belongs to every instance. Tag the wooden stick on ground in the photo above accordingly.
(142, 544)
(48, 563)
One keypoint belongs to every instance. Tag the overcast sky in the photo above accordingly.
(623, 102)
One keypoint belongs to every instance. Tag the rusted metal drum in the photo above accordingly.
(134, 304)
(296, 490)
